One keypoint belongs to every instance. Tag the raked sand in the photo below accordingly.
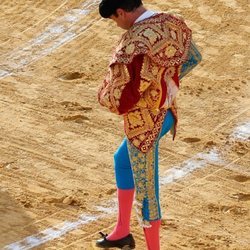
(57, 144)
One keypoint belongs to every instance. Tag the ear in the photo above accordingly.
(120, 12)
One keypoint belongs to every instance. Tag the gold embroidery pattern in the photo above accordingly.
(148, 127)
(116, 80)
(143, 120)
(144, 85)
(153, 74)
(143, 165)
(165, 38)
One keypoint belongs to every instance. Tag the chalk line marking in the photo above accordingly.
(61, 229)
(4, 73)
(242, 132)
(62, 31)
(198, 161)
(40, 21)
(233, 5)
(51, 233)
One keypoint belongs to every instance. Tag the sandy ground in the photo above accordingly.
(57, 144)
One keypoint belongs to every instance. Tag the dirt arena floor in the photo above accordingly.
(57, 144)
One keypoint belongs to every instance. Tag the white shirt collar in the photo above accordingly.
(145, 15)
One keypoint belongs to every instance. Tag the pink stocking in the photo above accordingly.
(125, 202)
(152, 235)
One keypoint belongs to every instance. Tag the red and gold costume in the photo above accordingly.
(143, 76)
(141, 84)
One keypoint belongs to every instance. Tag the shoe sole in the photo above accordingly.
(127, 247)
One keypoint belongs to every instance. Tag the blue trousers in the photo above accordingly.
(126, 177)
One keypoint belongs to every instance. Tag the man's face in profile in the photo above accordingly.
(122, 19)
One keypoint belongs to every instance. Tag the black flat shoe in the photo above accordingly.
(127, 242)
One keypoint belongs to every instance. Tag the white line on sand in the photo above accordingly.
(62, 31)
(199, 161)
(51, 233)
(242, 132)
(63, 228)
(4, 73)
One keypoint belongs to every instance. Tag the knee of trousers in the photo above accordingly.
(121, 160)
(123, 171)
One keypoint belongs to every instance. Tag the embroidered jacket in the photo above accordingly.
(143, 76)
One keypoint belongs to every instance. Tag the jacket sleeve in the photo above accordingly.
(123, 86)
(194, 58)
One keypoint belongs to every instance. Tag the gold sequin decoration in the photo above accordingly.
(143, 165)
(165, 38)
(116, 80)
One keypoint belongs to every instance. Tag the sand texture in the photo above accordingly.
(57, 187)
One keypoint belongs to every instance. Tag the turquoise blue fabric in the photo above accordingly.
(123, 170)
(194, 58)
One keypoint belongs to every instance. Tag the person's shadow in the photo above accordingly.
(15, 224)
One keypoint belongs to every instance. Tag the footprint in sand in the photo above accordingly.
(111, 191)
(241, 148)
(71, 76)
(169, 224)
(191, 139)
(75, 106)
(241, 197)
(241, 178)
(75, 118)
(235, 210)
(66, 200)
(8, 165)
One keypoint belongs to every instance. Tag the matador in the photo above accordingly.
(141, 85)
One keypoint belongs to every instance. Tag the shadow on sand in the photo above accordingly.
(15, 224)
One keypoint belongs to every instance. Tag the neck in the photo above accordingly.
(138, 12)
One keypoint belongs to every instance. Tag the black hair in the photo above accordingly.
(108, 8)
